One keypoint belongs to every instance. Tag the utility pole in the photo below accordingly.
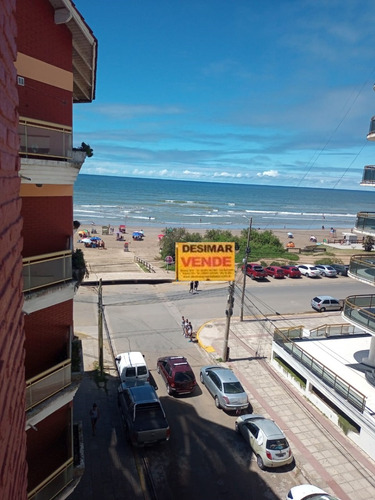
(100, 327)
(228, 312)
(247, 253)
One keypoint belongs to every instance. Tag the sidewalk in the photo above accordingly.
(336, 465)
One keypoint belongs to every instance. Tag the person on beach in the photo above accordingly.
(94, 415)
(196, 283)
(191, 289)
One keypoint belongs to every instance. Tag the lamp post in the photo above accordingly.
(247, 252)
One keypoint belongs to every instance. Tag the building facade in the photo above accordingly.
(51, 64)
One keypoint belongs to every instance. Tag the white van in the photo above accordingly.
(132, 368)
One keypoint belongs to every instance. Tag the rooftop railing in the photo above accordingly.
(360, 310)
(45, 270)
(47, 383)
(365, 222)
(363, 268)
(327, 376)
(54, 483)
(40, 139)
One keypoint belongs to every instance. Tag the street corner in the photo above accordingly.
(206, 334)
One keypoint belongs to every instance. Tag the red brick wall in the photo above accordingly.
(13, 467)
(39, 36)
(47, 337)
(48, 223)
(44, 102)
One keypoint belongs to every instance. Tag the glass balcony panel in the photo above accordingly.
(44, 140)
(365, 222)
(45, 270)
(361, 310)
(371, 132)
(54, 484)
(368, 176)
(48, 383)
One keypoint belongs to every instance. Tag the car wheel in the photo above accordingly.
(217, 402)
(169, 390)
(260, 462)
(252, 277)
(323, 274)
(236, 427)
(158, 369)
(323, 309)
(201, 378)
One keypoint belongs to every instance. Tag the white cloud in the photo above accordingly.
(268, 173)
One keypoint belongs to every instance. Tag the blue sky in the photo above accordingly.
(243, 91)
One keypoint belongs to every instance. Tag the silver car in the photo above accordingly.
(225, 388)
(323, 303)
(266, 439)
(326, 270)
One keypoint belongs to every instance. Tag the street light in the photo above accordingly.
(247, 252)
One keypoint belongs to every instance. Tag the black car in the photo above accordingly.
(341, 269)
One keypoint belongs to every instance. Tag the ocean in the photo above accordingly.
(140, 203)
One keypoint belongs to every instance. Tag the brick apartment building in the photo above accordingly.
(47, 63)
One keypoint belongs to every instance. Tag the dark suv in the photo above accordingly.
(177, 374)
(341, 269)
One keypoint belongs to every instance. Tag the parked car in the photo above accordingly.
(291, 271)
(309, 270)
(326, 270)
(143, 415)
(225, 388)
(255, 271)
(132, 368)
(341, 269)
(266, 439)
(177, 374)
(324, 303)
(308, 492)
(275, 272)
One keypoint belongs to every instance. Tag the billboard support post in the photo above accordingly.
(229, 313)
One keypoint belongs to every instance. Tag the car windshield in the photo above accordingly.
(233, 388)
(184, 377)
(277, 444)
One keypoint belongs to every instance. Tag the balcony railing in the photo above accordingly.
(54, 483)
(45, 270)
(362, 267)
(368, 177)
(360, 310)
(44, 140)
(327, 376)
(365, 222)
(46, 384)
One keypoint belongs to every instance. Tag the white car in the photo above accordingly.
(309, 270)
(308, 492)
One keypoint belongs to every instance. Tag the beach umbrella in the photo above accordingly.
(86, 240)
(95, 238)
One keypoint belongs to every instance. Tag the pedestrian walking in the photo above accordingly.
(191, 289)
(94, 415)
(196, 283)
(183, 325)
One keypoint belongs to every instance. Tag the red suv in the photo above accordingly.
(275, 271)
(177, 374)
(292, 271)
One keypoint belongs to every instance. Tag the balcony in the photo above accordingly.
(368, 177)
(362, 268)
(44, 140)
(365, 223)
(45, 270)
(46, 384)
(360, 311)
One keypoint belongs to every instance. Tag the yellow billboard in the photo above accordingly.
(205, 261)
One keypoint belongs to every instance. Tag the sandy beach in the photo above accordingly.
(113, 257)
